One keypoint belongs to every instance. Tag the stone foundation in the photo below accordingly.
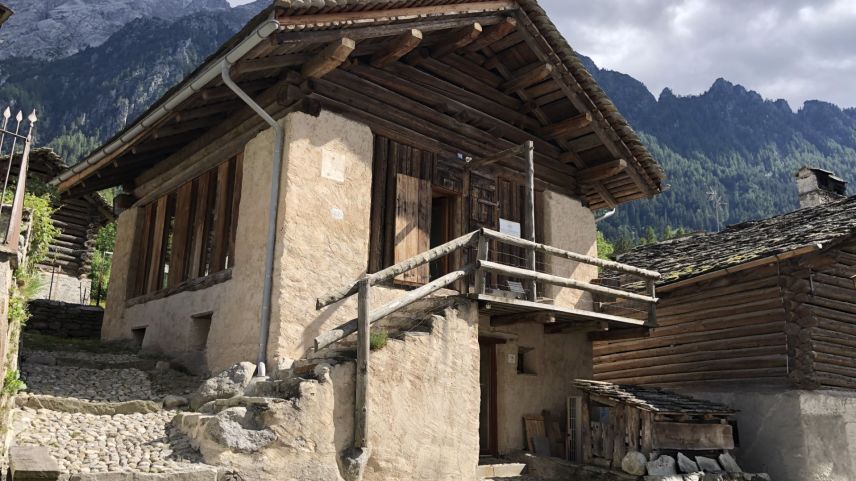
(65, 288)
(61, 319)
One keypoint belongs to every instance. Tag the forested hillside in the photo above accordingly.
(728, 140)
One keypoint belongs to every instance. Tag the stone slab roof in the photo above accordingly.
(701, 253)
(653, 399)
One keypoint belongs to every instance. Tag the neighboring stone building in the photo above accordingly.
(65, 274)
(398, 146)
(760, 316)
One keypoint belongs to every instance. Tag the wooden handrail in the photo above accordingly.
(350, 327)
(555, 251)
(398, 269)
(560, 281)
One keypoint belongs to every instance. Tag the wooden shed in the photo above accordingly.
(620, 418)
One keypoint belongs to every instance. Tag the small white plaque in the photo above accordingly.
(509, 227)
(512, 359)
(337, 213)
(333, 165)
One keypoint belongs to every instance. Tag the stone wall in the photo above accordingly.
(63, 287)
(794, 435)
(62, 319)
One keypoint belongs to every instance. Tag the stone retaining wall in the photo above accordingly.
(62, 319)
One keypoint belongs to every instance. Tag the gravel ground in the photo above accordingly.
(84, 443)
(110, 385)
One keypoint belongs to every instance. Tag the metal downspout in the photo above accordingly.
(605, 216)
(267, 290)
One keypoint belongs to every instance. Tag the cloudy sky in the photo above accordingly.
(791, 49)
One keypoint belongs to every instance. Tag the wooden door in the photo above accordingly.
(412, 225)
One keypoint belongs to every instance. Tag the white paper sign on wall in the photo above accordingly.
(333, 165)
(509, 227)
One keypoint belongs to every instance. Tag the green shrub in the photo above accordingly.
(378, 340)
(12, 383)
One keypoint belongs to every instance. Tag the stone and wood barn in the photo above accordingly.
(760, 316)
(336, 162)
(65, 273)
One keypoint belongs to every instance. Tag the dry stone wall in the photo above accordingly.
(62, 319)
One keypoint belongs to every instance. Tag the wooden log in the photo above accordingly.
(156, 264)
(632, 427)
(328, 59)
(601, 171)
(275, 62)
(585, 434)
(512, 153)
(646, 441)
(527, 77)
(619, 448)
(775, 357)
(417, 294)
(482, 254)
(456, 40)
(572, 127)
(559, 281)
(493, 34)
(768, 327)
(779, 372)
(361, 401)
(617, 266)
(398, 269)
(396, 48)
(698, 355)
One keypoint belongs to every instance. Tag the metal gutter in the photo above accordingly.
(198, 83)
(273, 210)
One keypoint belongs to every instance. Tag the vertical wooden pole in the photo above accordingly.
(585, 432)
(482, 255)
(529, 209)
(361, 414)
(651, 290)
(13, 231)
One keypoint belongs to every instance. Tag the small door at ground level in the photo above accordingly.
(488, 406)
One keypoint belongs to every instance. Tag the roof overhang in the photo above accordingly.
(577, 129)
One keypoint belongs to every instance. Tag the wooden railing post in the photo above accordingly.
(651, 290)
(529, 210)
(482, 254)
(361, 409)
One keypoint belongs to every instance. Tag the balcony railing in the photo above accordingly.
(19, 145)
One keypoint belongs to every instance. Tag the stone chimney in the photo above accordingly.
(818, 187)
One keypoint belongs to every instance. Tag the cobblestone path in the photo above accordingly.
(82, 442)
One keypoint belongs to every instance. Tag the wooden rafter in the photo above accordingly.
(397, 48)
(604, 194)
(572, 127)
(270, 63)
(457, 40)
(493, 34)
(527, 77)
(601, 172)
(328, 59)
(223, 92)
(178, 128)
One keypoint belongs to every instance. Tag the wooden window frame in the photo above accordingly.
(192, 229)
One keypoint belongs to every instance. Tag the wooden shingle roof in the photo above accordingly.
(653, 399)
(808, 229)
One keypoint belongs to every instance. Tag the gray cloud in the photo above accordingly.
(793, 49)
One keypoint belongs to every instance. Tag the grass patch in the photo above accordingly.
(378, 340)
(12, 383)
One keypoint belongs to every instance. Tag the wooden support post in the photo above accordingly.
(482, 255)
(651, 290)
(329, 59)
(361, 414)
(529, 210)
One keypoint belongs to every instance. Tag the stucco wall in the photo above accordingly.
(127, 227)
(569, 225)
(558, 360)
(324, 226)
(795, 435)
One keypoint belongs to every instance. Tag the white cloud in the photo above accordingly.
(792, 49)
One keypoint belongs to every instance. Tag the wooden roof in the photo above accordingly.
(479, 77)
(799, 232)
(656, 400)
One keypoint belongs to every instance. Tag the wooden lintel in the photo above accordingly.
(457, 40)
(572, 127)
(397, 48)
(329, 59)
(527, 77)
(601, 171)
(536, 317)
(494, 34)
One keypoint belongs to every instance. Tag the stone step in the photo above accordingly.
(31, 463)
(73, 405)
(202, 474)
(501, 470)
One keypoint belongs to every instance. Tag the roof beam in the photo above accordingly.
(538, 317)
(572, 127)
(397, 48)
(168, 130)
(601, 172)
(270, 63)
(329, 59)
(223, 92)
(457, 40)
(526, 77)
(604, 194)
(493, 34)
